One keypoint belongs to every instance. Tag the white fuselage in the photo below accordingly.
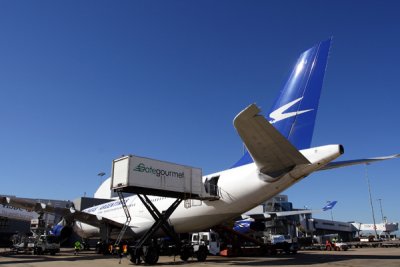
(241, 189)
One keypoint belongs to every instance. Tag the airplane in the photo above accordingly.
(14, 213)
(385, 228)
(251, 220)
(279, 154)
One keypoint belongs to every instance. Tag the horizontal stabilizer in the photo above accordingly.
(339, 164)
(272, 153)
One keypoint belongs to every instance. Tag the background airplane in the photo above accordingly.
(11, 212)
(252, 218)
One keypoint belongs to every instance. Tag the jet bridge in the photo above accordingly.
(144, 176)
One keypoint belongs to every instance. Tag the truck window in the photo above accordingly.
(205, 238)
(195, 238)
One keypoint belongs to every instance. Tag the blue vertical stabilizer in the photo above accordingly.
(295, 110)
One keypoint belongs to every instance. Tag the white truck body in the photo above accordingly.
(210, 239)
(143, 175)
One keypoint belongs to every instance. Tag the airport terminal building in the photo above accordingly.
(17, 221)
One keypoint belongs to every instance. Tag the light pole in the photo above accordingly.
(370, 200)
(380, 204)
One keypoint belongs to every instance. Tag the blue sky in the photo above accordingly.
(83, 82)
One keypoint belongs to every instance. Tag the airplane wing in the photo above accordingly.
(94, 220)
(68, 213)
(328, 206)
(271, 215)
(32, 205)
(272, 153)
(339, 164)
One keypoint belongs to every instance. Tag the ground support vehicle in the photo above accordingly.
(37, 245)
(239, 244)
(336, 246)
(46, 244)
(209, 239)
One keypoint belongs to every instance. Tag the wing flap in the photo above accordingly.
(272, 153)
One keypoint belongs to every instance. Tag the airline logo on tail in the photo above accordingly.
(294, 111)
(329, 206)
(279, 114)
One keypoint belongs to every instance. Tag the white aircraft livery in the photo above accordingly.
(278, 156)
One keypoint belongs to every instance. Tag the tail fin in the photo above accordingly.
(295, 110)
(329, 206)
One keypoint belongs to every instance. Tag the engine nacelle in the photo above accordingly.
(247, 225)
(62, 232)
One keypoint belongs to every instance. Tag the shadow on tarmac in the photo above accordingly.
(304, 259)
(16, 259)
(298, 259)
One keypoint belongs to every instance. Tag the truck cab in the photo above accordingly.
(47, 244)
(210, 239)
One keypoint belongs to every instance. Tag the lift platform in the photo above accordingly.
(144, 176)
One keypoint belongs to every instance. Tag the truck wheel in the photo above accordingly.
(202, 253)
(186, 252)
(185, 257)
(135, 259)
(151, 256)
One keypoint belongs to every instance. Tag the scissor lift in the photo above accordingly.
(145, 248)
(138, 175)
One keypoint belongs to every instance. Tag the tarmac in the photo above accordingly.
(361, 257)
